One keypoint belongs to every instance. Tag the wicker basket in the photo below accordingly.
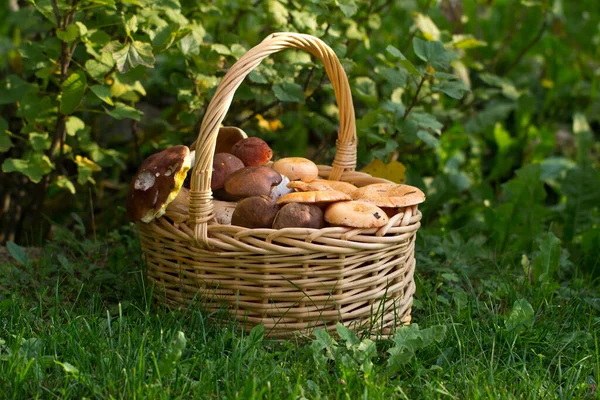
(291, 280)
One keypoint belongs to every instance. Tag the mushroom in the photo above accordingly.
(224, 211)
(389, 195)
(226, 138)
(255, 212)
(178, 209)
(157, 183)
(356, 214)
(296, 215)
(297, 168)
(224, 164)
(281, 189)
(317, 197)
(322, 184)
(252, 181)
(253, 151)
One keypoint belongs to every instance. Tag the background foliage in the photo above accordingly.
(489, 106)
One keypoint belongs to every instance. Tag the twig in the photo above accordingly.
(524, 51)
(508, 38)
(261, 111)
(414, 100)
(56, 12)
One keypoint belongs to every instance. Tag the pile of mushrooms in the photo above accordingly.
(251, 191)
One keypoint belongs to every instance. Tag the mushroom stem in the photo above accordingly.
(178, 209)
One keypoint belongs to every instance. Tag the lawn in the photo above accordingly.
(79, 322)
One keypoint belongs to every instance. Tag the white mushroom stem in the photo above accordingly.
(281, 189)
(224, 211)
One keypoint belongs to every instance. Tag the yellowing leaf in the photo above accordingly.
(547, 83)
(85, 169)
(270, 125)
(394, 171)
(427, 26)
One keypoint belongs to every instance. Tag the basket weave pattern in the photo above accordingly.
(295, 279)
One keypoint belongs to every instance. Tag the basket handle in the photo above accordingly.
(201, 206)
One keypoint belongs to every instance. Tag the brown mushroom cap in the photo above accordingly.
(296, 215)
(156, 183)
(252, 181)
(252, 151)
(317, 197)
(322, 184)
(255, 212)
(356, 214)
(389, 195)
(224, 164)
(297, 168)
(226, 138)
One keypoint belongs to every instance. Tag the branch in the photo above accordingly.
(414, 100)
(507, 39)
(261, 111)
(56, 12)
(524, 51)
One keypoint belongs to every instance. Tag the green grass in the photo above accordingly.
(80, 323)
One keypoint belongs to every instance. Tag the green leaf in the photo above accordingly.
(39, 141)
(397, 77)
(432, 52)
(17, 253)
(519, 219)
(97, 69)
(547, 262)
(74, 125)
(404, 62)
(69, 34)
(64, 183)
(68, 368)
(13, 89)
(73, 89)
(409, 339)
(131, 24)
(221, 49)
(256, 335)
(581, 187)
(130, 55)
(82, 28)
(288, 91)
(427, 138)
(122, 111)
(467, 42)
(347, 335)
(426, 121)
(5, 142)
(35, 167)
(365, 89)
(455, 89)
(171, 356)
(278, 13)
(348, 7)
(103, 93)
(508, 88)
(521, 317)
